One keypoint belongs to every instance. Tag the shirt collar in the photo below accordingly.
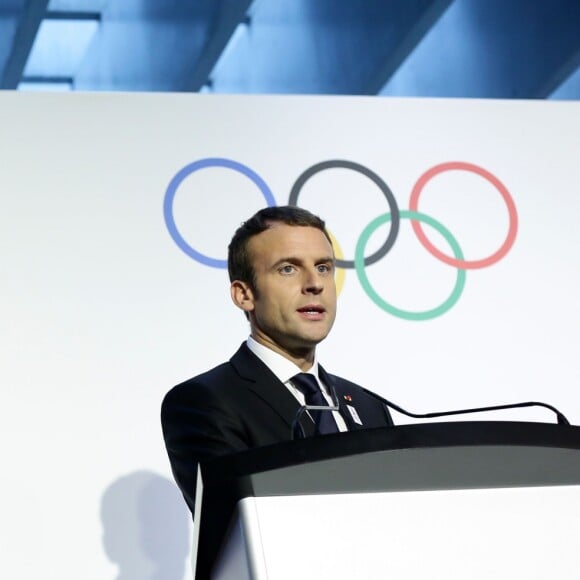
(283, 368)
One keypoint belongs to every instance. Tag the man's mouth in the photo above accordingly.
(312, 310)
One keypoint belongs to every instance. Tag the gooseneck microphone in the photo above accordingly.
(297, 430)
(559, 416)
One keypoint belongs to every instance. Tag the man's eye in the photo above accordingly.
(288, 269)
(324, 268)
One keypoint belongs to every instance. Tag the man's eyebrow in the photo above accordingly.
(286, 259)
(296, 260)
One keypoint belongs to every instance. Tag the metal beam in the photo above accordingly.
(406, 46)
(30, 20)
(228, 17)
(558, 76)
(47, 79)
(323, 46)
(494, 49)
(72, 15)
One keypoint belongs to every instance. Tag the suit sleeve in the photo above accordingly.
(197, 425)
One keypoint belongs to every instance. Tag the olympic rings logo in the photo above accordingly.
(392, 217)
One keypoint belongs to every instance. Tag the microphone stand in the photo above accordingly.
(561, 419)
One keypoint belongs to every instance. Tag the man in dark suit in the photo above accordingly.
(281, 268)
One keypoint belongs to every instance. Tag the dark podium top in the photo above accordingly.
(459, 455)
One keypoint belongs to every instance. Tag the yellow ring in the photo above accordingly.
(340, 272)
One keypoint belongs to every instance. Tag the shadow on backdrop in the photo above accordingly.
(146, 527)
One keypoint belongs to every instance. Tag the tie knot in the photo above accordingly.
(306, 383)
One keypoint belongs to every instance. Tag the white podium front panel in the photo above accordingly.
(505, 533)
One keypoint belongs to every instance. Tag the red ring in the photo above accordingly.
(513, 215)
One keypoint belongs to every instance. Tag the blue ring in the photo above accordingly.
(176, 182)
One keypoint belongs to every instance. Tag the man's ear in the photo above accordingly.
(242, 295)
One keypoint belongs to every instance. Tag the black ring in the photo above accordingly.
(393, 207)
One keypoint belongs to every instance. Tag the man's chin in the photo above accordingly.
(307, 342)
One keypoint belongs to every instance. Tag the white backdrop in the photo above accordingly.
(102, 311)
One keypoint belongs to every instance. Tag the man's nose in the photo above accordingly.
(313, 283)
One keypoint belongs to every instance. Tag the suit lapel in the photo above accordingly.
(264, 384)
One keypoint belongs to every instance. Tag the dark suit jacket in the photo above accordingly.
(239, 405)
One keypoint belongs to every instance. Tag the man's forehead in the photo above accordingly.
(284, 238)
(282, 232)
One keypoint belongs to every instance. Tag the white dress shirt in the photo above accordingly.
(285, 369)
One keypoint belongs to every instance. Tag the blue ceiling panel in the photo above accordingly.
(19, 21)
(327, 46)
(569, 89)
(149, 45)
(441, 48)
(495, 49)
(9, 17)
(59, 47)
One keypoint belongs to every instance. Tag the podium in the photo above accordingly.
(452, 500)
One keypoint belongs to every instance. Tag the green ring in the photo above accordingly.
(380, 302)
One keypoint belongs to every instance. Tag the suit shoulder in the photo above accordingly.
(210, 377)
(217, 378)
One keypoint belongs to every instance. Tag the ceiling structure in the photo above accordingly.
(526, 49)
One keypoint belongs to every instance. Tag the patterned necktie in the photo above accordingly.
(308, 385)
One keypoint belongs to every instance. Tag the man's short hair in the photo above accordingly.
(240, 265)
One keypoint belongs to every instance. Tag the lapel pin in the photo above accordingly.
(347, 398)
